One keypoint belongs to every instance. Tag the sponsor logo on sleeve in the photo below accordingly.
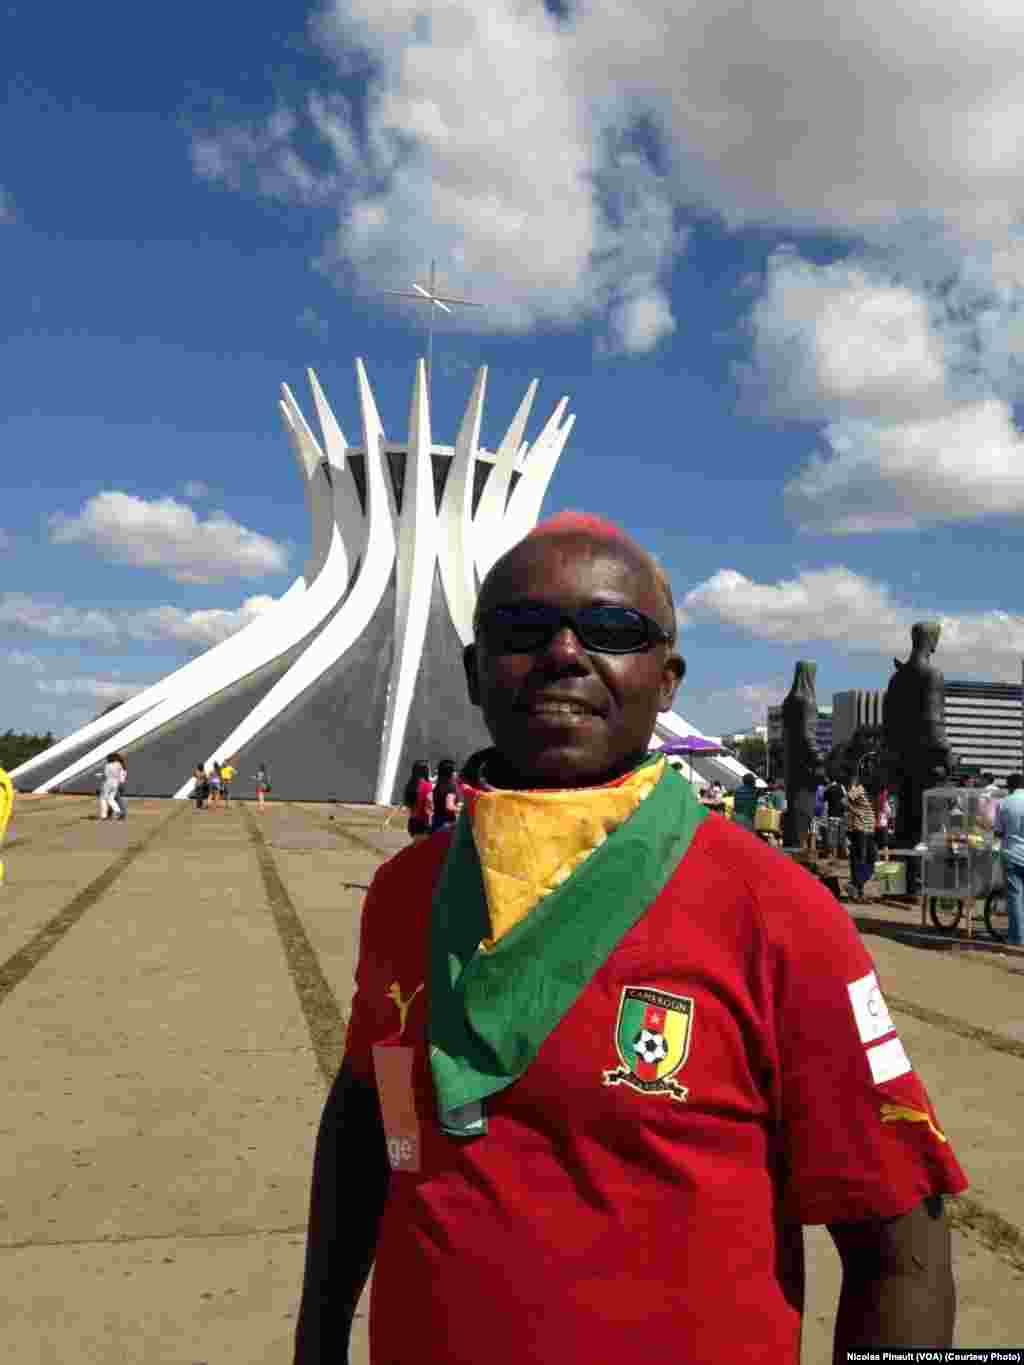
(869, 1009)
(887, 1061)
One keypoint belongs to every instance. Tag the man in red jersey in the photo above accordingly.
(607, 1051)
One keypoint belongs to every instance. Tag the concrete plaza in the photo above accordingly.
(173, 991)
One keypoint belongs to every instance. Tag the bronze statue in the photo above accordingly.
(802, 763)
(913, 718)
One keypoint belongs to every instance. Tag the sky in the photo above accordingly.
(772, 254)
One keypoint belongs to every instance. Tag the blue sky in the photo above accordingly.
(773, 259)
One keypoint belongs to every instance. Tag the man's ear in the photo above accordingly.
(472, 676)
(672, 674)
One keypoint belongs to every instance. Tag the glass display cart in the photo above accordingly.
(959, 861)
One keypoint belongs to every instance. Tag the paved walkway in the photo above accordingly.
(173, 992)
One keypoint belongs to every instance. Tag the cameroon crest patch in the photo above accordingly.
(652, 1038)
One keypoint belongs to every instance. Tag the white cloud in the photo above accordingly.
(844, 117)
(101, 689)
(56, 621)
(914, 382)
(641, 322)
(195, 488)
(488, 130)
(549, 160)
(836, 341)
(837, 607)
(966, 464)
(167, 535)
(482, 147)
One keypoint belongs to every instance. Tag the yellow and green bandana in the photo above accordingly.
(537, 890)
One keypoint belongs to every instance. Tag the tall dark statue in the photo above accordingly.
(802, 762)
(913, 717)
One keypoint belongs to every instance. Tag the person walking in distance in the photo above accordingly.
(418, 799)
(262, 786)
(113, 777)
(447, 796)
(200, 786)
(861, 819)
(1009, 825)
(215, 783)
(607, 1052)
(227, 776)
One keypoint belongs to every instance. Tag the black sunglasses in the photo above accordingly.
(526, 627)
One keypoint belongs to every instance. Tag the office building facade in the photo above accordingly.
(983, 725)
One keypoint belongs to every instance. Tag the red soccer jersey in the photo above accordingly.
(730, 1072)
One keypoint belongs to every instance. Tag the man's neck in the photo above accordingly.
(498, 771)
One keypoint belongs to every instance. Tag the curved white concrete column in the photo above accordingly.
(252, 651)
(354, 551)
(526, 498)
(354, 616)
(410, 540)
(490, 515)
(348, 511)
(417, 548)
(317, 484)
(293, 617)
(456, 531)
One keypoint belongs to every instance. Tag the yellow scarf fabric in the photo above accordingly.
(530, 842)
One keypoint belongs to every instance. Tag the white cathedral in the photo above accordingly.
(356, 671)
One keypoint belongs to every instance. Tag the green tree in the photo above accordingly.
(16, 749)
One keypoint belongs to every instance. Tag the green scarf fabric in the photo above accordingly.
(491, 1011)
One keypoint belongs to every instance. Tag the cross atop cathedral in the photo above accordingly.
(430, 295)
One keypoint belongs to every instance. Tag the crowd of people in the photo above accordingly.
(211, 786)
(853, 820)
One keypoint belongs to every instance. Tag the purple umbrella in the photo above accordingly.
(692, 744)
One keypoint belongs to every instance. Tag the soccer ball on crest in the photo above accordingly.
(650, 1047)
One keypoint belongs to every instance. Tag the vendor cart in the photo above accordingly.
(959, 863)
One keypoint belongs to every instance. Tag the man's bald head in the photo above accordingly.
(596, 533)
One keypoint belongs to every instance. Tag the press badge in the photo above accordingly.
(393, 1066)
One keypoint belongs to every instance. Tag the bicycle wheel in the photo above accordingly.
(946, 911)
(997, 918)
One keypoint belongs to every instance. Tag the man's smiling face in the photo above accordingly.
(564, 716)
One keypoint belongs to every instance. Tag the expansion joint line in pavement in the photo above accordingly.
(137, 1238)
(965, 1212)
(995, 1042)
(339, 831)
(17, 843)
(319, 1006)
(16, 968)
(970, 1215)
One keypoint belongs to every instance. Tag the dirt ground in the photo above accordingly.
(173, 991)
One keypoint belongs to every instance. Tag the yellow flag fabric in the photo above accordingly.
(530, 842)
